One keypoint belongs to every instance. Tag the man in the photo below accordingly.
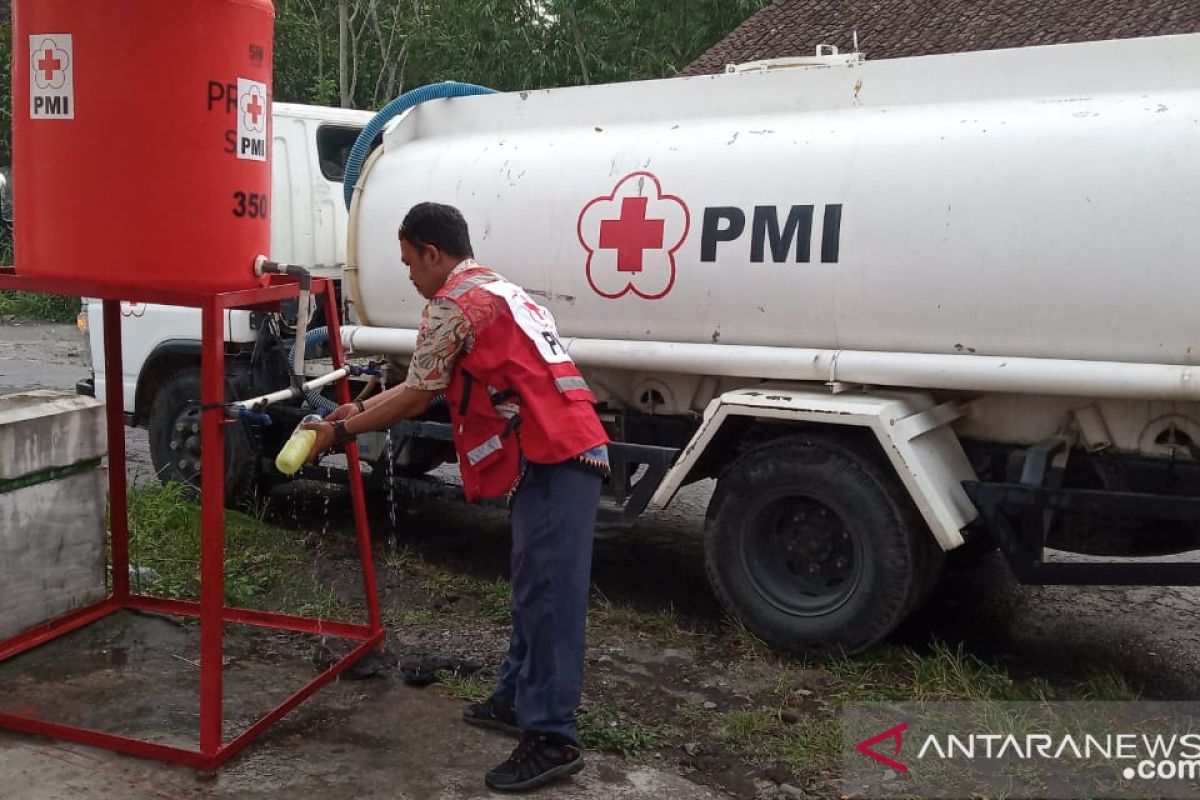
(525, 427)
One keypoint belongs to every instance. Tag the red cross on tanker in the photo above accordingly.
(632, 234)
(49, 64)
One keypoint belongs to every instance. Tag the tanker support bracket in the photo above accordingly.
(1018, 516)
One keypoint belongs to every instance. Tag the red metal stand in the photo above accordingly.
(211, 609)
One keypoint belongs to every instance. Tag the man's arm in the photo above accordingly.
(444, 334)
(379, 412)
(389, 407)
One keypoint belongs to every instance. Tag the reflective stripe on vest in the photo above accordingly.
(480, 452)
(570, 383)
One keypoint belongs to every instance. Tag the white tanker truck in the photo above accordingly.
(892, 307)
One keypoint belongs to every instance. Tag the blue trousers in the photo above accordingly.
(553, 524)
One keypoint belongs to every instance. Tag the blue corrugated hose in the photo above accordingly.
(323, 405)
(362, 145)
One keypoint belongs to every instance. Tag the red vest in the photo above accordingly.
(516, 392)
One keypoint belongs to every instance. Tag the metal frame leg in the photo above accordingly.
(357, 495)
(211, 609)
(212, 525)
(114, 399)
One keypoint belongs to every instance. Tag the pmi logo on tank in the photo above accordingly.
(51, 76)
(634, 234)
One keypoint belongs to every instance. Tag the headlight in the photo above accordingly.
(85, 346)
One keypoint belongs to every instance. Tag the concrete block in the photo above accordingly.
(45, 429)
(52, 549)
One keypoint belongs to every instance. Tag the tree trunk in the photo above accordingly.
(344, 53)
(579, 51)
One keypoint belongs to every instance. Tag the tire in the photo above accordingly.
(812, 546)
(174, 429)
(930, 563)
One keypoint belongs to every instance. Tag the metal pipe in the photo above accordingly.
(262, 266)
(1061, 377)
(290, 393)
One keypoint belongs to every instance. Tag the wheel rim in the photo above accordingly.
(800, 555)
(184, 444)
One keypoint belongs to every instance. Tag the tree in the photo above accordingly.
(386, 45)
(5, 92)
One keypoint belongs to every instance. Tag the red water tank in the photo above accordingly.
(141, 141)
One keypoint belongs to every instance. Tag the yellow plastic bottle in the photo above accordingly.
(295, 451)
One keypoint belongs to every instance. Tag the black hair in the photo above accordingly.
(439, 225)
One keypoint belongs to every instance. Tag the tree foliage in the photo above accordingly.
(506, 44)
(393, 45)
(6, 91)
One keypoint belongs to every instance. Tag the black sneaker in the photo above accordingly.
(494, 713)
(538, 759)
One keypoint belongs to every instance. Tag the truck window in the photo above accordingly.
(333, 149)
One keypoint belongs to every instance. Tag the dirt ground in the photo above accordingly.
(374, 738)
(669, 681)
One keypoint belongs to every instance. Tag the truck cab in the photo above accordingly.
(160, 350)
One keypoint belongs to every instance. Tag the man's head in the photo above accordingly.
(433, 240)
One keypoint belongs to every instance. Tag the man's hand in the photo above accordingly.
(345, 411)
(324, 439)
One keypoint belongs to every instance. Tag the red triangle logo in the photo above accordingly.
(896, 733)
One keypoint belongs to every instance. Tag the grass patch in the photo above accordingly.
(48, 307)
(1106, 686)
(496, 602)
(404, 559)
(901, 674)
(407, 617)
(164, 536)
(660, 623)
(813, 744)
(470, 688)
(950, 673)
(608, 729)
(691, 712)
(326, 604)
(745, 642)
(746, 727)
(437, 581)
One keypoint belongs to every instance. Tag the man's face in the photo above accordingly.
(423, 267)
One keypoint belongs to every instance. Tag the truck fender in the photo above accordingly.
(913, 431)
(167, 356)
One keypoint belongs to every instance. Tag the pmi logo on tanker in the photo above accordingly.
(634, 236)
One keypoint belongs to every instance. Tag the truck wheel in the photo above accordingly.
(810, 546)
(175, 440)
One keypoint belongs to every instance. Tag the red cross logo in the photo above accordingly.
(255, 108)
(534, 309)
(631, 234)
(252, 102)
(49, 64)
